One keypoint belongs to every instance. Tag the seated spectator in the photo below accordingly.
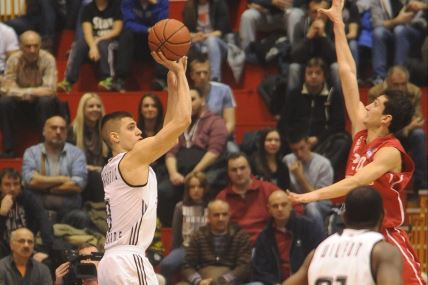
(413, 135)
(19, 267)
(101, 24)
(246, 195)
(150, 122)
(198, 149)
(19, 209)
(39, 16)
(219, 252)
(86, 135)
(284, 244)
(316, 107)
(309, 171)
(138, 17)
(394, 25)
(208, 22)
(8, 45)
(313, 39)
(28, 90)
(64, 275)
(269, 16)
(218, 97)
(189, 215)
(266, 162)
(54, 170)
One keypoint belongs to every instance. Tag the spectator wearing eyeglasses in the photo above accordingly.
(19, 267)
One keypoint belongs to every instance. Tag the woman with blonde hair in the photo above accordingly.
(86, 135)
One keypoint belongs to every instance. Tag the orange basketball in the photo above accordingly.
(171, 37)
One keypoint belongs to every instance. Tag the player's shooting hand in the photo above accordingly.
(178, 66)
(334, 13)
(60, 272)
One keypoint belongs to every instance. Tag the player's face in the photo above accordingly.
(23, 243)
(196, 191)
(279, 206)
(301, 150)
(200, 74)
(55, 131)
(218, 217)
(149, 110)
(272, 143)
(93, 110)
(375, 110)
(129, 133)
(10, 185)
(314, 77)
(239, 171)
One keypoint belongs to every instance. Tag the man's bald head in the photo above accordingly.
(30, 36)
(279, 206)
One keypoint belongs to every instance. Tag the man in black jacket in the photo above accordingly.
(285, 242)
(19, 209)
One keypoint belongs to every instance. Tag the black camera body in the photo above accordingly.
(81, 270)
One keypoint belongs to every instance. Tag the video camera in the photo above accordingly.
(83, 270)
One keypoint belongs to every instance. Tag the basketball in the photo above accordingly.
(171, 37)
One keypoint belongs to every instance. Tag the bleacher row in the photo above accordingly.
(251, 112)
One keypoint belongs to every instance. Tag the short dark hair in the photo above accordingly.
(236, 155)
(11, 172)
(363, 208)
(317, 62)
(400, 107)
(114, 116)
(296, 135)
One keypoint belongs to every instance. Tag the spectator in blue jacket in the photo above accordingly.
(285, 242)
(138, 17)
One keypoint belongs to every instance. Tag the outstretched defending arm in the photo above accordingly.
(384, 161)
(347, 68)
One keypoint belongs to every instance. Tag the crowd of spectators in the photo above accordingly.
(231, 220)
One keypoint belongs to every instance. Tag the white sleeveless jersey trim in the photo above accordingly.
(131, 210)
(344, 259)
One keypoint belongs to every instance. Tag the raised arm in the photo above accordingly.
(347, 68)
(148, 150)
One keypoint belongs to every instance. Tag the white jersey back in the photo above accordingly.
(344, 259)
(131, 210)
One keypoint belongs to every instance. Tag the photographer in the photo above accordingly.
(65, 276)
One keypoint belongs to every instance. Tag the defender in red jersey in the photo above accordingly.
(376, 157)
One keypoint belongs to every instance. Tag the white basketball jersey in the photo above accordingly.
(344, 259)
(131, 210)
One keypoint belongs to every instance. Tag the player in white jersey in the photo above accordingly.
(357, 256)
(130, 184)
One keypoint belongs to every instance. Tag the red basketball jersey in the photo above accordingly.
(390, 185)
